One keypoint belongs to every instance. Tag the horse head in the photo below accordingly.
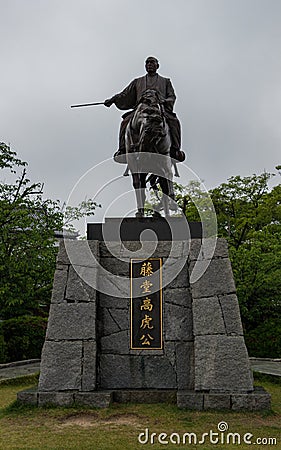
(150, 116)
(148, 130)
(150, 97)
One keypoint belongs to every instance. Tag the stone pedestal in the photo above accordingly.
(87, 358)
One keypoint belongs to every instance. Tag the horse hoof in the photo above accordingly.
(156, 214)
(139, 215)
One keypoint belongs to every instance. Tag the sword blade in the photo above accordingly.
(87, 104)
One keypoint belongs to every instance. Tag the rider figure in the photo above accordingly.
(130, 96)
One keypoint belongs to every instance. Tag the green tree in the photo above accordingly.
(257, 271)
(249, 217)
(28, 246)
(243, 205)
(190, 198)
(193, 201)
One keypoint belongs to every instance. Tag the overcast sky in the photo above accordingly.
(223, 57)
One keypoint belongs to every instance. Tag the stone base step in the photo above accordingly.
(257, 400)
(95, 399)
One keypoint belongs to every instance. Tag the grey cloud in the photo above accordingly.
(222, 56)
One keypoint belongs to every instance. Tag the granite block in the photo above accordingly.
(61, 366)
(190, 400)
(222, 364)
(207, 317)
(216, 278)
(72, 321)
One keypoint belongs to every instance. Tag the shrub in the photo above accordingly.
(24, 337)
(2, 349)
(265, 340)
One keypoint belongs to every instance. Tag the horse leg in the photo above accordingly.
(142, 190)
(139, 185)
(165, 186)
(168, 199)
(171, 194)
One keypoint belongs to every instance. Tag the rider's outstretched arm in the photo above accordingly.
(126, 99)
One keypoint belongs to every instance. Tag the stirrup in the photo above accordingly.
(127, 172)
(176, 169)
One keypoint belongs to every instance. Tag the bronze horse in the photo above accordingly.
(148, 144)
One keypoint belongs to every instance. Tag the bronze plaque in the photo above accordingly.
(146, 304)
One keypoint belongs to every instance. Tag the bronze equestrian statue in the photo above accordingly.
(130, 97)
(150, 134)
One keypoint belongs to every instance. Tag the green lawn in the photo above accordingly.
(118, 427)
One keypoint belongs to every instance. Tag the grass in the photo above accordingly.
(118, 427)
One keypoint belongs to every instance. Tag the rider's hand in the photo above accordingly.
(108, 102)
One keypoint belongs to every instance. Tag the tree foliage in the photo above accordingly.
(193, 201)
(244, 205)
(27, 241)
(22, 338)
(249, 217)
